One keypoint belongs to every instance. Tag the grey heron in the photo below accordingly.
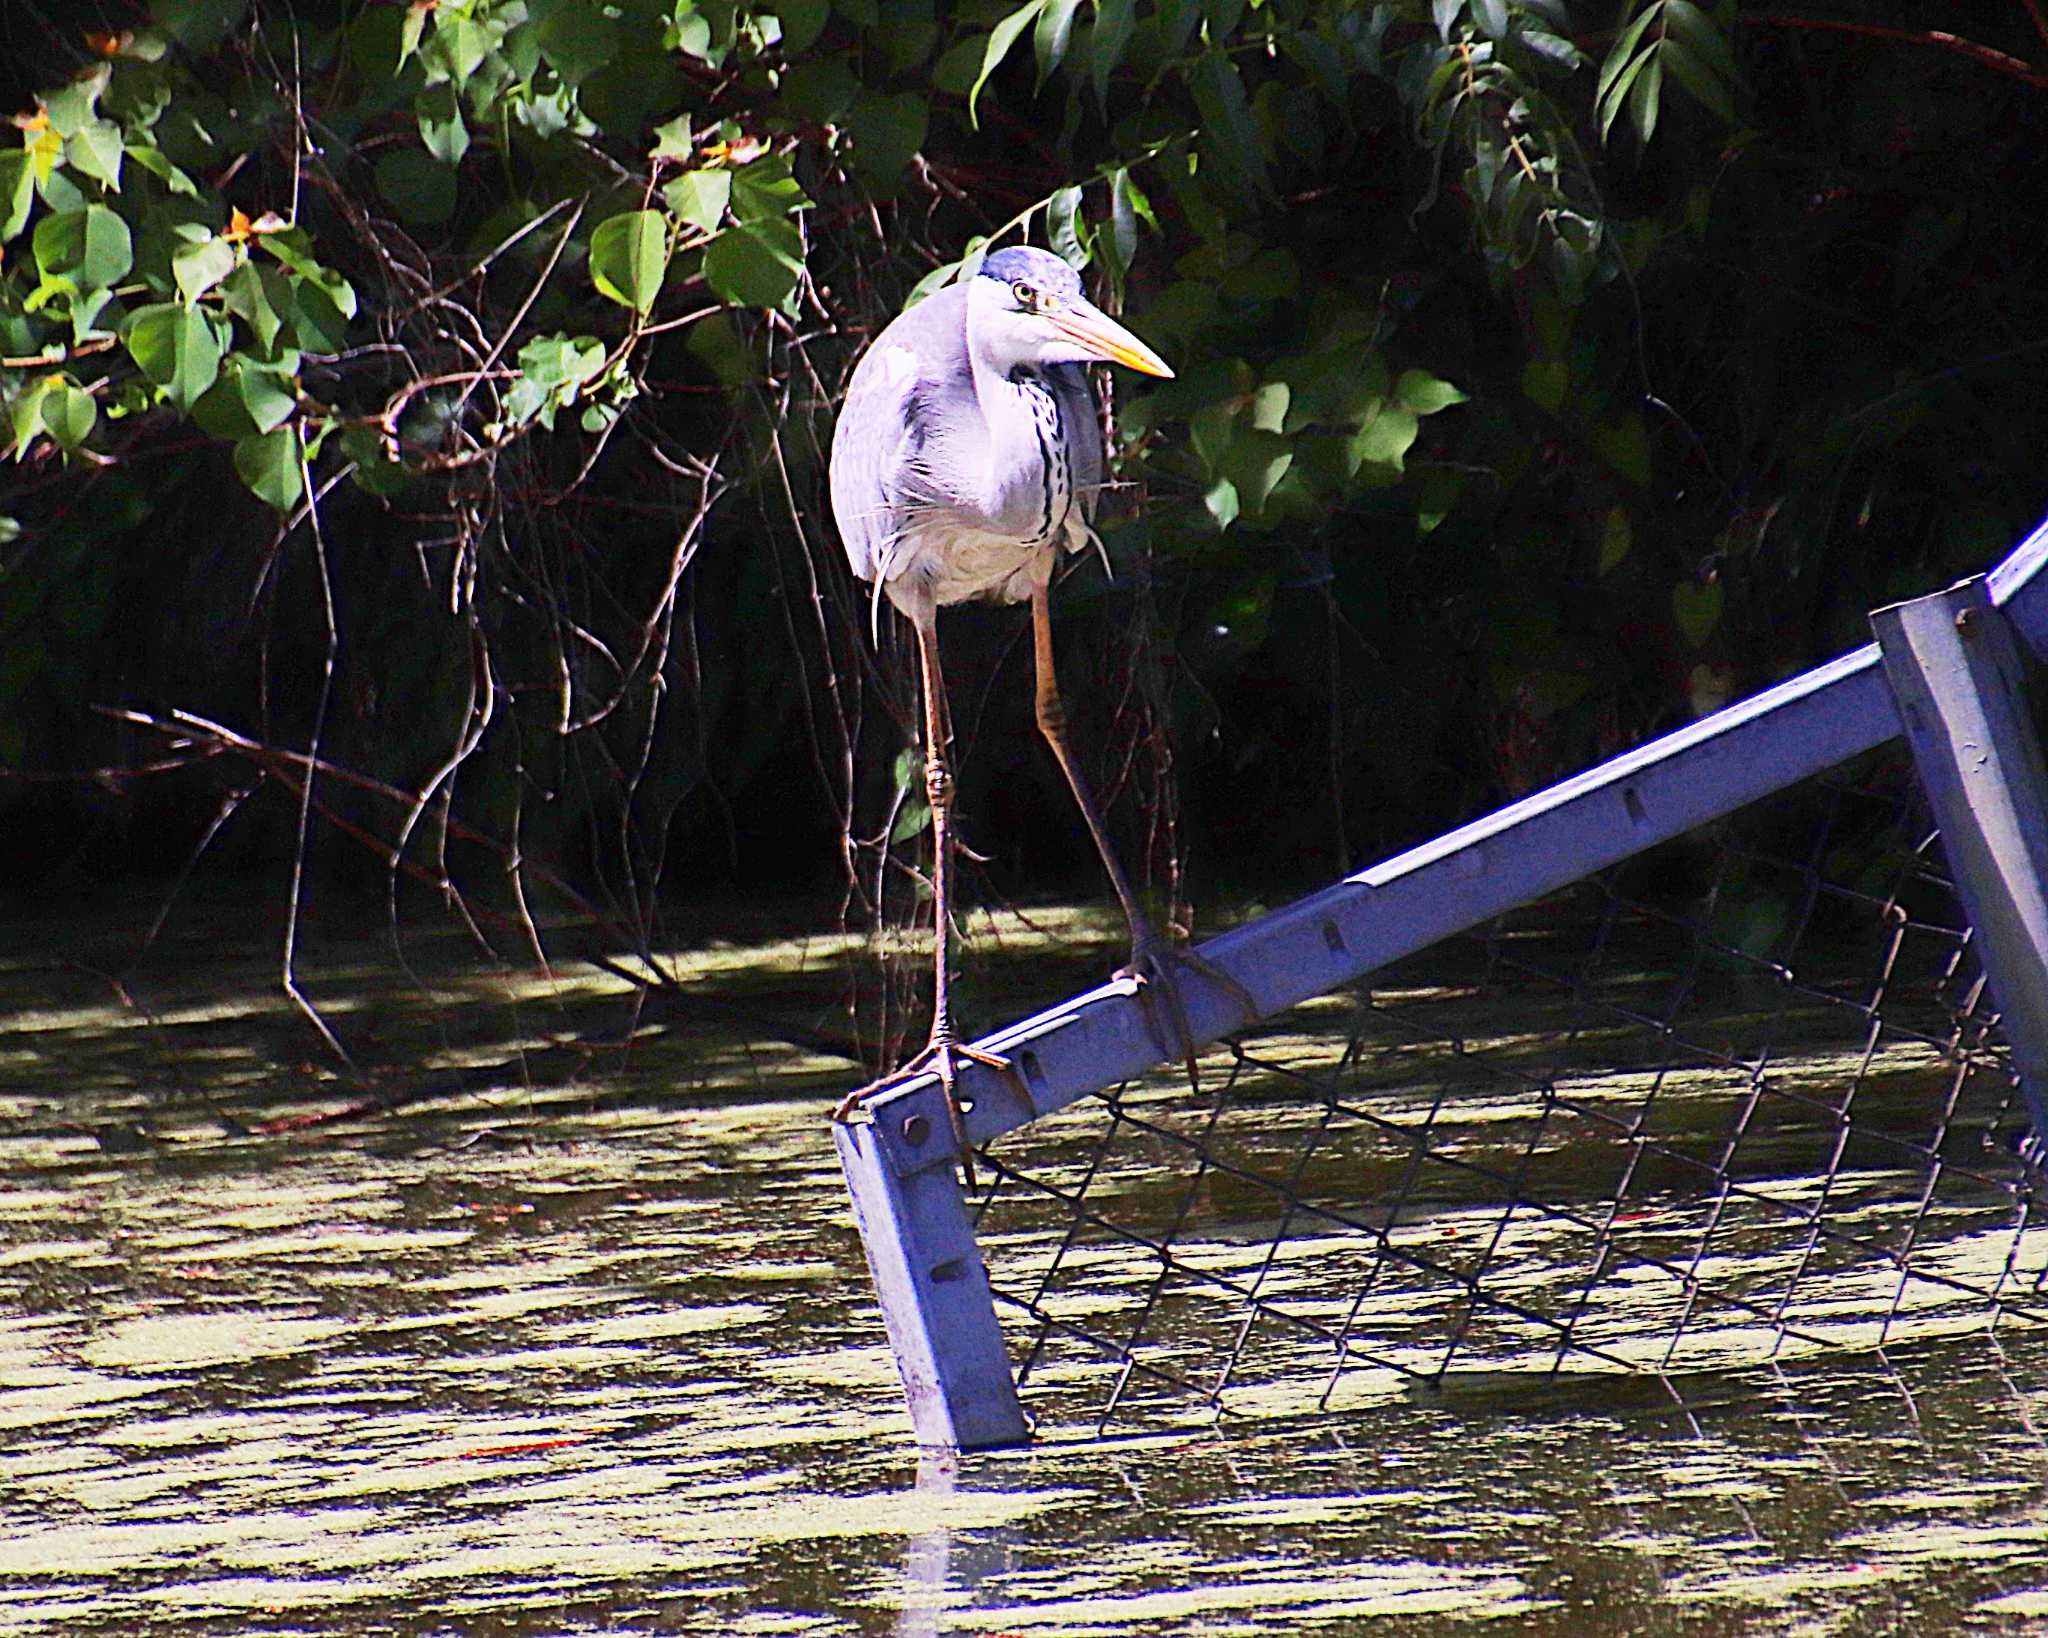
(967, 459)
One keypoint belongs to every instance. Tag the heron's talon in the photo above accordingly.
(944, 1058)
(1152, 967)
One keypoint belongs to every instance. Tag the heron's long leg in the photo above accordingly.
(938, 790)
(1052, 722)
(1151, 957)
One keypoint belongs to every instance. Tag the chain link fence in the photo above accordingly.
(1727, 1103)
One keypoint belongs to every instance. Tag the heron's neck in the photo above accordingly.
(1015, 433)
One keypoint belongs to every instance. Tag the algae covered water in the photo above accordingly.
(598, 1359)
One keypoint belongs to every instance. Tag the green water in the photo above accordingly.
(594, 1352)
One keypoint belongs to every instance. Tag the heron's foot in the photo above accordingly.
(1153, 973)
(944, 1057)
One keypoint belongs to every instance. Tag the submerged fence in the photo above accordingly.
(1778, 986)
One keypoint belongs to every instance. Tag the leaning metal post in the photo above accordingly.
(929, 1277)
(1955, 673)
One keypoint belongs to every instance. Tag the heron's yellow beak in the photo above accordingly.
(1105, 338)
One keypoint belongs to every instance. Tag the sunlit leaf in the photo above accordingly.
(91, 247)
(17, 192)
(1001, 38)
(94, 150)
(69, 414)
(628, 256)
(699, 198)
(199, 267)
(673, 140)
(1052, 34)
(442, 130)
(756, 264)
(1423, 393)
(176, 348)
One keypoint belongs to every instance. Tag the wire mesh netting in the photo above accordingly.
(1736, 1099)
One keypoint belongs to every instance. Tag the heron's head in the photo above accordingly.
(1026, 308)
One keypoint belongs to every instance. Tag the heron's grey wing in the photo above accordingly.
(894, 407)
(1081, 421)
(877, 433)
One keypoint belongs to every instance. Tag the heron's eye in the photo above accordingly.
(1027, 296)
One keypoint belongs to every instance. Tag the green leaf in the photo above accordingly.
(673, 140)
(17, 191)
(802, 22)
(410, 30)
(1001, 38)
(699, 198)
(1424, 393)
(199, 267)
(578, 40)
(820, 90)
(1256, 462)
(1697, 609)
(1643, 98)
(1114, 22)
(269, 464)
(1703, 37)
(94, 150)
(90, 248)
(914, 819)
(1221, 502)
(1052, 35)
(459, 45)
(1227, 119)
(767, 190)
(69, 414)
(628, 256)
(887, 133)
(1385, 440)
(152, 160)
(1625, 446)
(176, 348)
(318, 323)
(267, 397)
(252, 298)
(246, 399)
(25, 414)
(1704, 85)
(1617, 535)
(756, 264)
(442, 130)
(1064, 227)
(1622, 54)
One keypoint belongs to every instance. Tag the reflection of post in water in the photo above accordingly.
(928, 1555)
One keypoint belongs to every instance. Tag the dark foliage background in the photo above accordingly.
(1551, 372)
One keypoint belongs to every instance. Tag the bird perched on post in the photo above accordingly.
(966, 461)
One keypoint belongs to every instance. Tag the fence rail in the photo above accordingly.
(1944, 675)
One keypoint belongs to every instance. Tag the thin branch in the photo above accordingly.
(1999, 62)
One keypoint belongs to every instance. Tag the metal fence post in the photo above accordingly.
(1955, 672)
(929, 1277)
